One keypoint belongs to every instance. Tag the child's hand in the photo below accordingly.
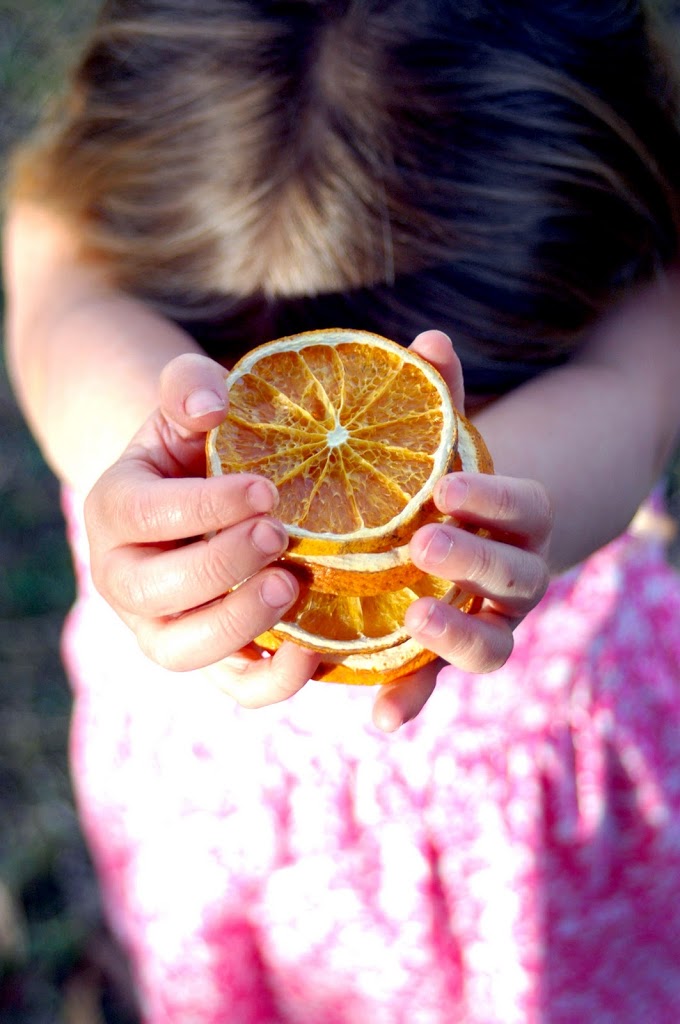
(147, 519)
(507, 568)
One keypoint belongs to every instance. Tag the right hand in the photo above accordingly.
(168, 547)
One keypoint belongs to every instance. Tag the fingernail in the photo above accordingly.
(427, 620)
(202, 401)
(268, 538)
(451, 493)
(438, 547)
(277, 590)
(262, 496)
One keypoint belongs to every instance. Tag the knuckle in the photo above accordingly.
(237, 679)
(484, 564)
(282, 684)
(248, 699)
(101, 505)
(210, 508)
(152, 641)
(133, 591)
(480, 647)
(230, 626)
(542, 578)
(489, 652)
(170, 660)
(141, 510)
(217, 672)
(202, 506)
(506, 501)
(497, 656)
(220, 565)
(534, 582)
(115, 502)
(544, 507)
(104, 574)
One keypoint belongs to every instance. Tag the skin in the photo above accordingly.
(131, 438)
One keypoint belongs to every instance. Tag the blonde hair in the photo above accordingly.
(405, 162)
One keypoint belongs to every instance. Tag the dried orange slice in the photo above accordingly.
(346, 624)
(352, 623)
(353, 429)
(374, 668)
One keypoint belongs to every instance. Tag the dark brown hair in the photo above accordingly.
(500, 169)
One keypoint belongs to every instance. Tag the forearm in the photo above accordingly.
(84, 359)
(597, 432)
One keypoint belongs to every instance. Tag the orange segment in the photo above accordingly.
(326, 366)
(258, 403)
(289, 374)
(408, 470)
(365, 381)
(241, 442)
(397, 399)
(331, 497)
(419, 432)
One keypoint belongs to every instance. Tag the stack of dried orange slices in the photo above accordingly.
(355, 431)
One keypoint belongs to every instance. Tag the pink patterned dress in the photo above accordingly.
(510, 857)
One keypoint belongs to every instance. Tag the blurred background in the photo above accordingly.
(58, 962)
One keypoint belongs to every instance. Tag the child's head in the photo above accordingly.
(499, 169)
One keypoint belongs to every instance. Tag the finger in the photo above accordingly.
(206, 635)
(514, 579)
(437, 348)
(400, 702)
(515, 507)
(134, 506)
(473, 643)
(193, 393)
(255, 681)
(158, 583)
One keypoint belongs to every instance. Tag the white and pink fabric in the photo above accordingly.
(510, 857)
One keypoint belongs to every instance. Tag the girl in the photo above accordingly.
(227, 172)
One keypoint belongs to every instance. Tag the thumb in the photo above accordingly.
(436, 347)
(193, 394)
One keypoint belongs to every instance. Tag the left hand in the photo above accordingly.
(187, 563)
(506, 567)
